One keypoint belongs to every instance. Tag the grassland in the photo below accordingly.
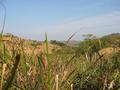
(31, 65)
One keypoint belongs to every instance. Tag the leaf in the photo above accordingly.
(71, 37)
(46, 42)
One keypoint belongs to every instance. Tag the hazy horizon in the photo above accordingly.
(60, 19)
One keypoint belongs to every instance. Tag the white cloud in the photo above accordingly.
(107, 20)
(98, 25)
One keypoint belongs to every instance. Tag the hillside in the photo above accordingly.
(105, 44)
(113, 35)
(111, 40)
(14, 42)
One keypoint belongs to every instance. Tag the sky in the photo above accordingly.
(60, 18)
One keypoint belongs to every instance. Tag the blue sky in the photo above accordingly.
(60, 18)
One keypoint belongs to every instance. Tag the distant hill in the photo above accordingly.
(14, 42)
(107, 41)
(111, 40)
(113, 35)
(106, 44)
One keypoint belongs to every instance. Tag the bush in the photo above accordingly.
(57, 42)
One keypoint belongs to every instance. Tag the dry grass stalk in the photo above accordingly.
(111, 85)
(44, 58)
(105, 84)
(57, 81)
(71, 86)
(3, 72)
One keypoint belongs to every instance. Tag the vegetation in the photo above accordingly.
(69, 68)
(57, 42)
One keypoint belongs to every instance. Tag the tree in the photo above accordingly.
(89, 36)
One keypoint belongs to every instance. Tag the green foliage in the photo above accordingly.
(89, 47)
(111, 40)
(89, 36)
(35, 43)
(57, 42)
(104, 72)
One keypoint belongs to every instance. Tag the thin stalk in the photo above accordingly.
(2, 77)
(57, 81)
